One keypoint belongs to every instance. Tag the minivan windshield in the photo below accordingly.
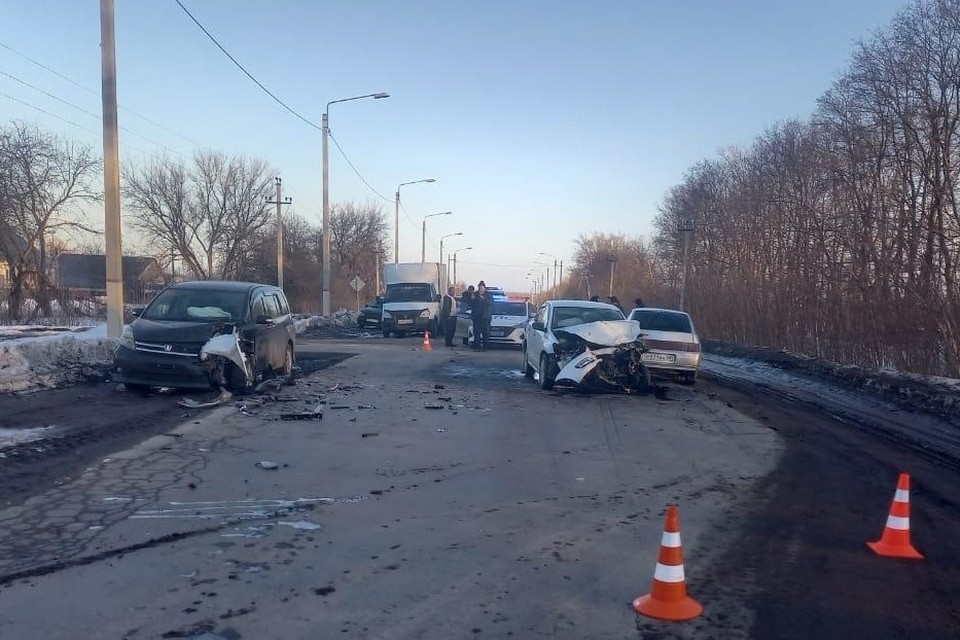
(409, 293)
(662, 321)
(201, 305)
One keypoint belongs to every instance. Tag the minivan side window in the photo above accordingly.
(273, 307)
(282, 300)
(258, 307)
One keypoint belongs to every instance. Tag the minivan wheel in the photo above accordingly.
(237, 380)
(136, 388)
(288, 361)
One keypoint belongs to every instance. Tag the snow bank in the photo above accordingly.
(54, 360)
(301, 324)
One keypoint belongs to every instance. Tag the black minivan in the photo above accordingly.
(207, 334)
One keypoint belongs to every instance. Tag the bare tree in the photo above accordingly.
(358, 234)
(208, 213)
(44, 181)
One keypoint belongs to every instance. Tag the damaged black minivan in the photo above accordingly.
(204, 334)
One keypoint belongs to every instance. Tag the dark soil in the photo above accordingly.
(803, 536)
(910, 392)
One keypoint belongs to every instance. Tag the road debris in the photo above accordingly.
(303, 525)
(433, 406)
(266, 464)
(190, 403)
(369, 434)
(316, 414)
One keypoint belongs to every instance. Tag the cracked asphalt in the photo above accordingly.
(442, 495)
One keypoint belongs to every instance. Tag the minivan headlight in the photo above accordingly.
(126, 337)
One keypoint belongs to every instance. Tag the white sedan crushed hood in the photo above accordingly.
(606, 333)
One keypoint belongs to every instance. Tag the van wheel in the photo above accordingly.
(546, 382)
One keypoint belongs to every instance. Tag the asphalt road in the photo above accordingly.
(442, 495)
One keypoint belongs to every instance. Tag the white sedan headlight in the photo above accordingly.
(126, 337)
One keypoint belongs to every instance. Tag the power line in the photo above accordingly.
(70, 122)
(356, 171)
(241, 67)
(85, 111)
(97, 93)
(279, 101)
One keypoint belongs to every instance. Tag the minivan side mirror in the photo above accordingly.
(538, 326)
(136, 312)
(264, 319)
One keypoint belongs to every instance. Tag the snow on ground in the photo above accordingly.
(54, 359)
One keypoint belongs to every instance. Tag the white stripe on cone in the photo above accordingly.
(902, 495)
(668, 573)
(670, 539)
(896, 522)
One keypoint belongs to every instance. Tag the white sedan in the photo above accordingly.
(583, 344)
(509, 321)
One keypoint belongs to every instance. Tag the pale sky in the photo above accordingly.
(540, 120)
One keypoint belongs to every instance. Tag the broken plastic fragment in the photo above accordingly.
(266, 464)
(227, 346)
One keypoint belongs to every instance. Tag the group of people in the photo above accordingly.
(480, 303)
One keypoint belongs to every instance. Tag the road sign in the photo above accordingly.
(357, 284)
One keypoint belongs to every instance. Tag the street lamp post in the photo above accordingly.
(396, 217)
(423, 234)
(455, 261)
(449, 235)
(550, 255)
(325, 305)
(613, 260)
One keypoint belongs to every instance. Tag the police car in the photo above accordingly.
(509, 319)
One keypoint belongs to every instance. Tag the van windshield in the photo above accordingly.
(409, 293)
(197, 305)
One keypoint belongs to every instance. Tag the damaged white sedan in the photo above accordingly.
(585, 345)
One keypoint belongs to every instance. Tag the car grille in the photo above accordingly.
(405, 315)
(191, 349)
(670, 345)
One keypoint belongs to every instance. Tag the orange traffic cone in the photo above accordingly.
(668, 599)
(426, 341)
(895, 541)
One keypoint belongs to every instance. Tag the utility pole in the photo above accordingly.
(561, 278)
(325, 296)
(555, 276)
(279, 202)
(686, 228)
(111, 170)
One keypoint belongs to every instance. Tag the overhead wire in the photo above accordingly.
(85, 111)
(97, 93)
(283, 104)
(67, 120)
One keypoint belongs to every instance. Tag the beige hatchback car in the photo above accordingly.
(673, 346)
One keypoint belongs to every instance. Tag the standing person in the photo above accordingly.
(638, 303)
(615, 302)
(467, 297)
(448, 316)
(480, 312)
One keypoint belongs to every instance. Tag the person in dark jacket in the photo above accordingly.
(448, 316)
(481, 312)
(638, 303)
(615, 302)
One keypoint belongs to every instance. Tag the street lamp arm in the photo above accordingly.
(375, 96)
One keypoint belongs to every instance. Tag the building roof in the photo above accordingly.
(89, 270)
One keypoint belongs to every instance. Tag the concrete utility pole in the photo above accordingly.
(686, 228)
(279, 202)
(396, 218)
(559, 295)
(111, 170)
